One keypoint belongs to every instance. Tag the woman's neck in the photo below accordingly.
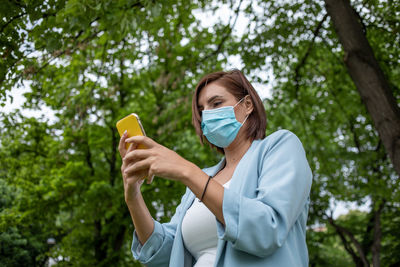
(235, 152)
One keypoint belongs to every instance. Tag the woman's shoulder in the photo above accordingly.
(281, 146)
(280, 133)
(277, 137)
(280, 142)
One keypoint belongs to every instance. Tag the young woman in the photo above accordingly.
(248, 210)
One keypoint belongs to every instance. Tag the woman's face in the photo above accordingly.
(216, 96)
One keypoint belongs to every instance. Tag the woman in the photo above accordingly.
(248, 210)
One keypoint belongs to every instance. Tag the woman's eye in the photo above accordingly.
(216, 104)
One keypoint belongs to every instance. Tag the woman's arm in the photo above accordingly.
(161, 161)
(156, 251)
(141, 218)
(140, 214)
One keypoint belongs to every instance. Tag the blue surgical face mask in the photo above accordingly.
(220, 126)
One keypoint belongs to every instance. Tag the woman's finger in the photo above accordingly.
(138, 166)
(137, 154)
(124, 163)
(131, 147)
(121, 146)
(131, 151)
(143, 140)
(136, 177)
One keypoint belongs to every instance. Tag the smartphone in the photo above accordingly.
(132, 124)
(134, 127)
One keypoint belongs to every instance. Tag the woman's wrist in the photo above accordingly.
(134, 198)
(195, 179)
(189, 172)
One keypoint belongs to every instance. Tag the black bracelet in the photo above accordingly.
(205, 188)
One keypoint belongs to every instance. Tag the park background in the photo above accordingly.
(329, 71)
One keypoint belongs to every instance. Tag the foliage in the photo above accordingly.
(93, 62)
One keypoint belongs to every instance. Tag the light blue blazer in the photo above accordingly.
(265, 210)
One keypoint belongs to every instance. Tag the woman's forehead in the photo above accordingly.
(212, 90)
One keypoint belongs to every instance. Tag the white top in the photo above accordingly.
(199, 232)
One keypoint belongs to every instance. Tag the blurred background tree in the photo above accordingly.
(93, 62)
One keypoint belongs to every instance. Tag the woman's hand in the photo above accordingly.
(156, 160)
(134, 180)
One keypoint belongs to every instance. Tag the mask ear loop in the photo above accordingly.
(238, 104)
(245, 119)
(239, 101)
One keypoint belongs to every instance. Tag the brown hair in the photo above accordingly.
(236, 83)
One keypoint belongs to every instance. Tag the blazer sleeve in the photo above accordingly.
(156, 251)
(260, 225)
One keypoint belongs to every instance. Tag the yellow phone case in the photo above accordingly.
(132, 124)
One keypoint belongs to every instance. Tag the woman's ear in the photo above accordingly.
(248, 104)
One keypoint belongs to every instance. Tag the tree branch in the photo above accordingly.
(88, 157)
(228, 30)
(303, 60)
(11, 20)
(60, 53)
(342, 232)
(355, 137)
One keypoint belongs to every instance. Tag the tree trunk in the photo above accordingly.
(376, 245)
(367, 76)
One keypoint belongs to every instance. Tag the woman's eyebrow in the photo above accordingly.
(211, 99)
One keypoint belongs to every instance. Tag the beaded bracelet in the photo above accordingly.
(205, 188)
